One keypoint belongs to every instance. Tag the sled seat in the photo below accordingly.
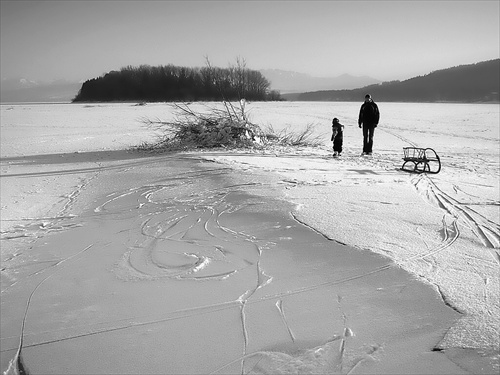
(423, 159)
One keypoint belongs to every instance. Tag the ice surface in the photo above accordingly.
(167, 264)
(443, 228)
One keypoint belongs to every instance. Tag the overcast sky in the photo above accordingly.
(387, 40)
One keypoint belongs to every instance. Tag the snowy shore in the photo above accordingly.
(442, 229)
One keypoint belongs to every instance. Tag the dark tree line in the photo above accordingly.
(174, 83)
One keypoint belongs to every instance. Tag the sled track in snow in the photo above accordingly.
(486, 230)
(413, 144)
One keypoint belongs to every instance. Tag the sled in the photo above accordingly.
(425, 160)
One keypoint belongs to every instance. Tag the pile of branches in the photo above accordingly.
(227, 127)
(224, 127)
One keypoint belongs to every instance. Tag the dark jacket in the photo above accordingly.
(337, 129)
(369, 114)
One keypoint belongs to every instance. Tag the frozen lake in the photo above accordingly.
(465, 136)
(50, 128)
(285, 261)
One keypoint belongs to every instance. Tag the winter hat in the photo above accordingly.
(335, 120)
(368, 96)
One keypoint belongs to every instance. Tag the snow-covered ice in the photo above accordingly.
(196, 255)
(443, 228)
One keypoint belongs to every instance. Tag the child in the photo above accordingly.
(337, 137)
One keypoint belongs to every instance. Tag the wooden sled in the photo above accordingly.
(425, 160)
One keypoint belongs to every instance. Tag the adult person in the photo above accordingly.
(369, 116)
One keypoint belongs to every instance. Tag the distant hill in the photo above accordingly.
(465, 83)
(293, 82)
(24, 91)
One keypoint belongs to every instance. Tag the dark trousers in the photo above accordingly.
(337, 142)
(368, 138)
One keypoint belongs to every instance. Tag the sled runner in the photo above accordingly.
(425, 160)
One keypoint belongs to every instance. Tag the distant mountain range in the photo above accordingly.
(23, 91)
(292, 82)
(466, 83)
(472, 83)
